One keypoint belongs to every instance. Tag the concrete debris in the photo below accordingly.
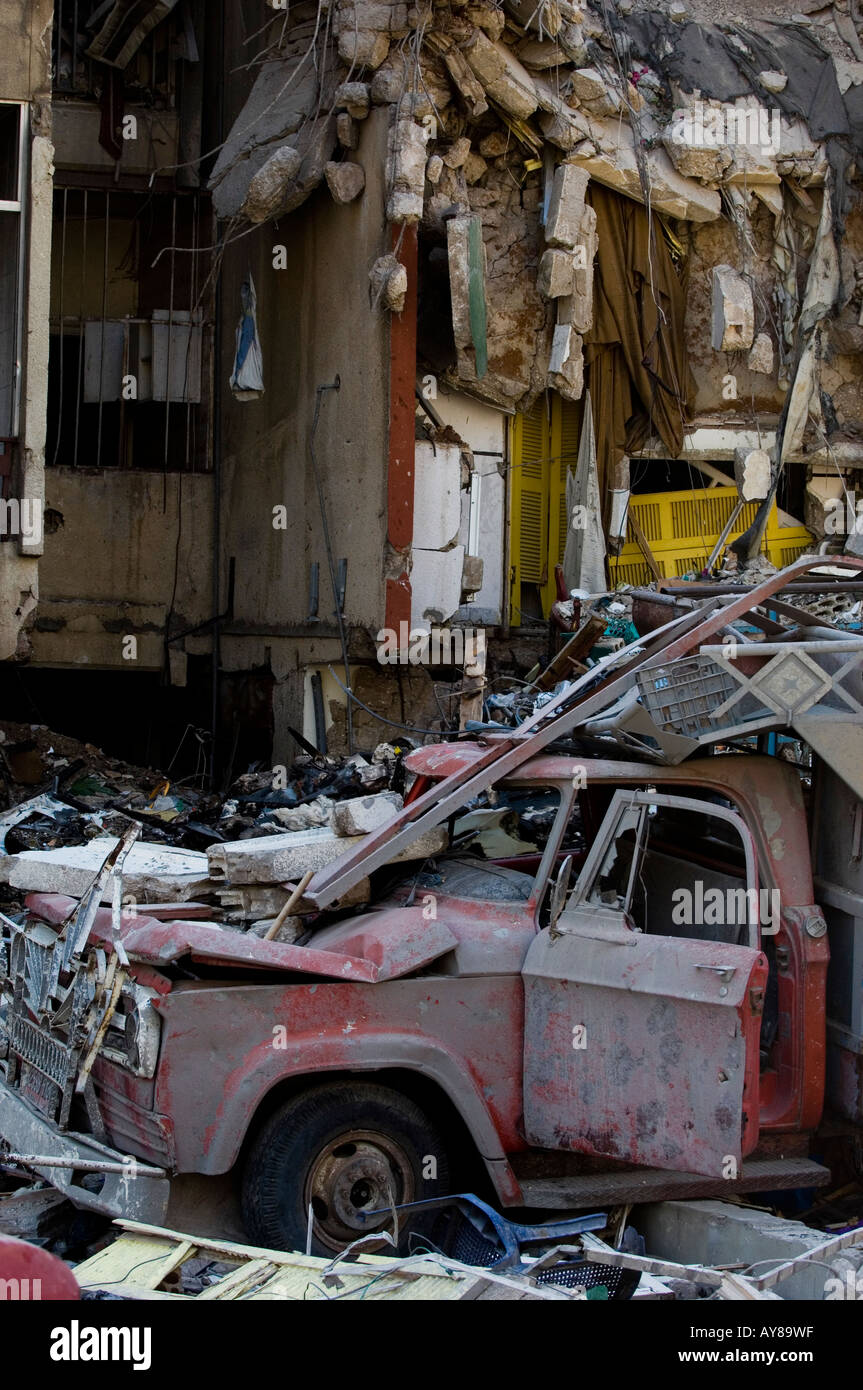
(733, 311)
(576, 308)
(267, 189)
(563, 223)
(406, 163)
(535, 53)
(704, 1233)
(457, 153)
(495, 144)
(501, 75)
(32, 1213)
(555, 276)
(345, 180)
(360, 815)
(355, 98)
(760, 357)
(282, 104)
(157, 873)
(280, 858)
(347, 131)
(474, 168)
(616, 165)
(591, 91)
(363, 48)
(389, 280)
(753, 472)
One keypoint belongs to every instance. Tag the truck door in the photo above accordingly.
(643, 1000)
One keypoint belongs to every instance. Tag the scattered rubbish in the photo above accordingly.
(150, 1263)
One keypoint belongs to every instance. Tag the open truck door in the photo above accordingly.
(638, 983)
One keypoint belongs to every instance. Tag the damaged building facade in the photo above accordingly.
(365, 318)
(430, 438)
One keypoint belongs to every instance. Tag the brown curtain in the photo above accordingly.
(639, 377)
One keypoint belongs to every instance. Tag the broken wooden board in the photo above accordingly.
(143, 1257)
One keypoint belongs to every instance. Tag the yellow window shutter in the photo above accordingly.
(563, 453)
(529, 519)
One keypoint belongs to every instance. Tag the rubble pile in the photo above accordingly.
(307, 814)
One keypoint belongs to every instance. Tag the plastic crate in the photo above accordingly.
(682, 695)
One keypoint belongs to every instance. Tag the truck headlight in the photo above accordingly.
(132, 1039)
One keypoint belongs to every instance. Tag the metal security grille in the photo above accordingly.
(131, 327)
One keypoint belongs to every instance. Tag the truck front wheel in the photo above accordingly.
(342, 1150)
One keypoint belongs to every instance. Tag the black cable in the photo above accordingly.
(393, 723)
(332, 386)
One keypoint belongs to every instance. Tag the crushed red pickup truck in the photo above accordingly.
(577, 1041)
(609, 980)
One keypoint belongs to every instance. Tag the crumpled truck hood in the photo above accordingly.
(375, 947)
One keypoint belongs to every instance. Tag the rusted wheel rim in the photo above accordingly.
(360, 1171)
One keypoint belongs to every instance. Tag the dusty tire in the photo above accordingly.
(343, 1148)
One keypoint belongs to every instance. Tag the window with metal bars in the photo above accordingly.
(130, 360)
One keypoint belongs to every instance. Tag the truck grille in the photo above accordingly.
(36, 1047)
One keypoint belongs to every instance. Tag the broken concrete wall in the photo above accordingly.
(93, 598)
(519, 319)
(315, 323)
(708, 246)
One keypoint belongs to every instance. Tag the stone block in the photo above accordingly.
(760, 357)
(733, 311)
(360, 815)
(354, 97)
(555, 274)
(457, 153)
(566, 205)
(363, 48)
(347, 131)
(752, 472)
(345, 181)
(267, 189)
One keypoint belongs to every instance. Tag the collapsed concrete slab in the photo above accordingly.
(283, 858)
(151, 873)
(616, 165)
(283, 103)
(502, 76)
